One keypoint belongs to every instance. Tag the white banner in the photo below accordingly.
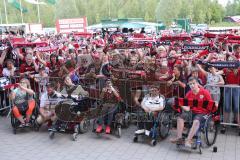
(35, 2)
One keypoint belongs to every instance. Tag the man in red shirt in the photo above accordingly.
(198, 112)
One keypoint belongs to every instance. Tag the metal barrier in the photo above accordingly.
(229, 100)
(128, 88)
(229, 104)
(134, 90)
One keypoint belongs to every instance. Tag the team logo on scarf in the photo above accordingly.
(196, 46)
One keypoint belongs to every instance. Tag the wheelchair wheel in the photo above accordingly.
(164, 125)
(126, 121)
(36, 126)
(200, 150)
(51, 134)
(14, 123)
(94, 126)
(211, 130)
(119, 131)
(14, 131)
(74, 136)
(153, 142)
(135, 139)
(83, 126)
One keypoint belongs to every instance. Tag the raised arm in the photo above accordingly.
(3, 57)
(20, 56)
(202, 70)
(40, 59)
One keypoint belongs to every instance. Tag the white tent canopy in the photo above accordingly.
(125, 25)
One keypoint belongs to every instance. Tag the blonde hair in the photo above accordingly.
(26, 81)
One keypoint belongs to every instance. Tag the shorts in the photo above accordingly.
(189, 116)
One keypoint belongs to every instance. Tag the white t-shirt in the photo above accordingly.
(152, 103)
(47, 101)
(213, 80)
(6, 72)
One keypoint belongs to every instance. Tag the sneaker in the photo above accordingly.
(27, 124)
(22, 125)
(140, 131)
(147, 133)
(108, 130)
(99, 129)
(188, 143)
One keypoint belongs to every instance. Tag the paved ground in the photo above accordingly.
(28, 145)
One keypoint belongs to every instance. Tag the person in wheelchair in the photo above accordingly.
(70, 89)
(110, 97)
(48, 101)
(152, 103)
(23, 102)
(196, 114)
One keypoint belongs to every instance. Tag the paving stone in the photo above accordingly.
(28, 145)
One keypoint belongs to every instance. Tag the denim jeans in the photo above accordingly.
(108, 117)
(232, 99)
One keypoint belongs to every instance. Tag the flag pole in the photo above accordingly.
(1, 15)
(39, 20)
(21, 10)
(5, 9)
(109, 9)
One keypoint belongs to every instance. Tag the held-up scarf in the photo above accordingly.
(47, 49)
(29, 44)
(221, 64)
(175, 38)
(196, 46)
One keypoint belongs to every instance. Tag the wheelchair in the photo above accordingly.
(207, 132)
(69, 127)
(73, 116)
(154, 126)
(208, 129)
(121, 119)
(16, 123)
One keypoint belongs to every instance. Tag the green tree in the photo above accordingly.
(167, 11)
(217, 12)
(199, 11)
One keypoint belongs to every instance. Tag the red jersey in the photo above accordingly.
(231, 77)
(51, 65)
(27, 68)
(53, 69)
(202, 95)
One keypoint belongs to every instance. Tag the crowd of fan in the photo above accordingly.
(94, 57)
